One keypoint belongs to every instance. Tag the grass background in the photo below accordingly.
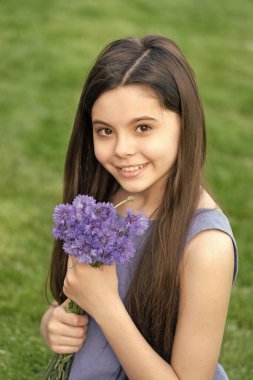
(46, 48)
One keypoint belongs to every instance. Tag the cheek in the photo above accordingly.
(164, 149)
(98, 153)
(156, 148)
(102, 151)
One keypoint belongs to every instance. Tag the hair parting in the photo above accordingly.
(133, 67)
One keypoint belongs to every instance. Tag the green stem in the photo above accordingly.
(129, 199)
(96, 264)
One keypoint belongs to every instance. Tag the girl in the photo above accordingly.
(139, 130)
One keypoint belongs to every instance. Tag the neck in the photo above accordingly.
(147, 206)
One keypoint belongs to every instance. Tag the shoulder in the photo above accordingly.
(210, 241)
(210, 250)
(210, 232)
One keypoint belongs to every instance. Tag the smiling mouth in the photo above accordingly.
(130, 169)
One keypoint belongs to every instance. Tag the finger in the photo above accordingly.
(72, 332)
(75, 320)
(67, 341)
(65, 349)
(55, 328)
(59, 314)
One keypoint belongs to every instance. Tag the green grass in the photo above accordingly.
(46, 49)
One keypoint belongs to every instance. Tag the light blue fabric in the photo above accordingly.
(96, 360)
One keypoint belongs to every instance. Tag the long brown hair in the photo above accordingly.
(154, 61)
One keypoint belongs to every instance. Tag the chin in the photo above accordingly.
(133, 189)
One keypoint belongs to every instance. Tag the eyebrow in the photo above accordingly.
(131, 122)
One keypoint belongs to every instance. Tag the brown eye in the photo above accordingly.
(104, 132)
(143, 128)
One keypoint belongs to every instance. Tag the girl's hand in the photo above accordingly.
(94, 289)
(63, 332)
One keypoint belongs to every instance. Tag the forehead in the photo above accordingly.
(127, 101)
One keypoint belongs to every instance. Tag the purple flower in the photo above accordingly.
(105, 211)
(84, 202)
(135, 223)
(64, 219)
(93, 232)
(123, 249)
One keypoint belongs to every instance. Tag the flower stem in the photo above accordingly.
(96, 264)
(74, 308)
(128, 199)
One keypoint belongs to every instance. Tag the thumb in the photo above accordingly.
(65, 303)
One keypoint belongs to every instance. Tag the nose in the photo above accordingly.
(124, 146)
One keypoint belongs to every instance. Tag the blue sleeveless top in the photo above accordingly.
(96, 360)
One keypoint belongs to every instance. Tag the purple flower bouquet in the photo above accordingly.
(94, 233)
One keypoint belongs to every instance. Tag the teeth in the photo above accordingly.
(132, 168)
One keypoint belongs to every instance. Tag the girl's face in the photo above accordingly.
(135, 139)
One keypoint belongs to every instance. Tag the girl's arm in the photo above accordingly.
(206, 280)
(136, 356)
